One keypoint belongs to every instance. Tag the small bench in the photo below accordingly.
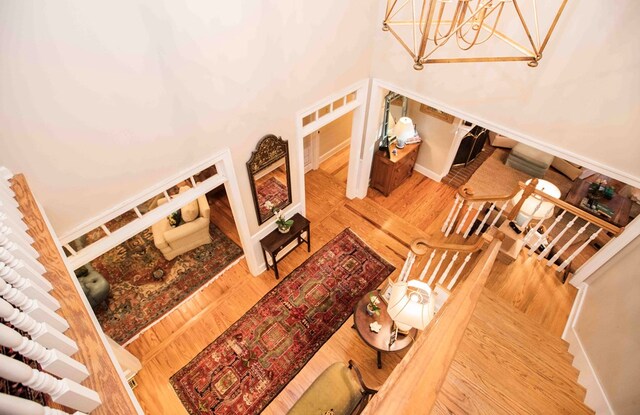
(338, 390)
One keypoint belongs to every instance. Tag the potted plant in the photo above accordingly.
(372, 305)
(284, 225)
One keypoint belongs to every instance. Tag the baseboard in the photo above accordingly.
(428, 172)
(596, 398)
(335, 150)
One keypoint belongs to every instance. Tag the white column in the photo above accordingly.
(40, 332)
(8, 244)
(32, 307)
(63, 391)
(25, 256)
(12, 405)
(29, 289)
(24, 269)
(50, 360)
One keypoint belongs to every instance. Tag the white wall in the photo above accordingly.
(584, 97)
(335, 134)
(607, 329)
(437, 140)
(101, 100)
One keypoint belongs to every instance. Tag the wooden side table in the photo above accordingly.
(276, 241)
(387, 174)
(378, 341)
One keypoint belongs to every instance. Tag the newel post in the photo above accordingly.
(528, 190)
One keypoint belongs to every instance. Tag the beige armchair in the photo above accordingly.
(175, 241)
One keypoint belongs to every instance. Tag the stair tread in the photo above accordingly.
(512, 320)
(507, 364)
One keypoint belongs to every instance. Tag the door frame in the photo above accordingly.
(359, 108)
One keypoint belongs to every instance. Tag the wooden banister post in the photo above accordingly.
(531, 187)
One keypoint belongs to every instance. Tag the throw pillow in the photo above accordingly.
(174, 218)
(190, 212)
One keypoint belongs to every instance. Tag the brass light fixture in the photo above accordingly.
(494, 30)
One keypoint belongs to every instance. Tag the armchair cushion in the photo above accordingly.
(190, 211)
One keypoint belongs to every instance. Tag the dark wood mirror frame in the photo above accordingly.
(269, 150)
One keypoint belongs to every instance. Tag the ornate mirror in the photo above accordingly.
(269, 175)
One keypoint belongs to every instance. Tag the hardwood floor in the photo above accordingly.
(388, 225)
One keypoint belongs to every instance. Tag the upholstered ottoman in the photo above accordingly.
(529, 160)
(335, 391)
(94, 285)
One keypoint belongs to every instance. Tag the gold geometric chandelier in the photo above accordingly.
(483, 30)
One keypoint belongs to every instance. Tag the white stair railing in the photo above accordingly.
(63, 391)
(12, 405)
(51, 360)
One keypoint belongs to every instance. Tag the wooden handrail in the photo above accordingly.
(468, 194)
(414, 384)
(419, 246)
(577, 211)
(104, 377)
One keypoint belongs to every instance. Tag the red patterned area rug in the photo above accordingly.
(273, 191)
(145, 286)
(254, 359)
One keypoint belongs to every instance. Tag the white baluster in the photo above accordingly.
(532, 232)
(50, 360)
(16, 234)
(12, 405)
(435, 271)
(426, 268)
(484, 219)
(473, 221)
(7, 199)
(29, 289)
(557, 238)
(577, 251)
(6, 242)
(40, 332)
(137, 211)
(455, 277)
(449, 216)
(13, 222)
(406, 269)
(446, 271)
(24, 269)
(32, 307)
(453, 219)
(464, 218)
(568, 244)
(504, 206)
(542, 237)
(7, 234)
(25, 256)
(105, 229)
(63, 391)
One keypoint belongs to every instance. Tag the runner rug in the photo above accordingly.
(145, 286)
(254, 359)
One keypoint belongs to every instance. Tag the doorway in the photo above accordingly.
(327, 149)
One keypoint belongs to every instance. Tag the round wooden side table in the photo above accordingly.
(378, 341)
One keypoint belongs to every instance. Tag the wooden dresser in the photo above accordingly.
(387, 174)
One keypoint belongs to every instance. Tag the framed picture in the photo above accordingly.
(385, 292)
(441, 115)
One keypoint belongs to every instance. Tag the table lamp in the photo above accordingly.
(411, 305)
(535, 207)
(404, 130)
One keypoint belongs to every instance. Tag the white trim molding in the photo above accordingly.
(428, 172)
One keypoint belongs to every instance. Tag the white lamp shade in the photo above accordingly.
(403, 130)
(534, 207)
(411, 305)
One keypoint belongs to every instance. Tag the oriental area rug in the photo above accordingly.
(271, 190)
(254, 359)
(145, 286)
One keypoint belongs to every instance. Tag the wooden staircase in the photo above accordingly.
(480, 355)
(508, 364)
